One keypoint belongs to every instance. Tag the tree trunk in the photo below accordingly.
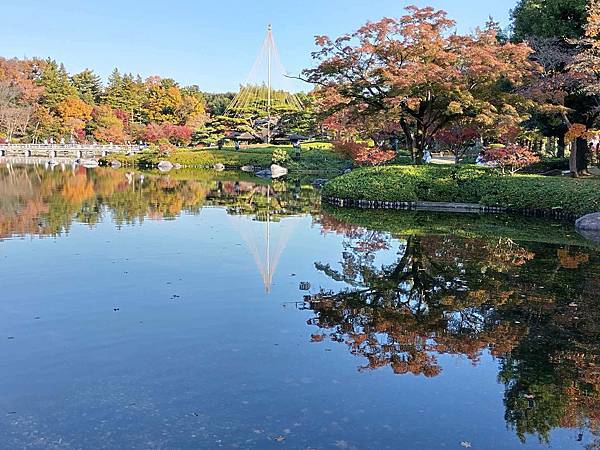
(410, 140)
(560, 153)
(581, 157)
(578, 162)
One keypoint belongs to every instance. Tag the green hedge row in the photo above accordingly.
(547, 165)
(470, 184)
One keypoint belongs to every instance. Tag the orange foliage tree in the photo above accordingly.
(416, 73)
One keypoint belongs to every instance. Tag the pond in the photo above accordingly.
(217, 310)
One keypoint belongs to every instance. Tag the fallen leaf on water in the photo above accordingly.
(465, 444)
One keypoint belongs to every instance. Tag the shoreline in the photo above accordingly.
(451, 207)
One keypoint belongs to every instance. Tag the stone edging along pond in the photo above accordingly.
(449, 207)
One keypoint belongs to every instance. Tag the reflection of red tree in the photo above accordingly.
(395, 337)
(456, 296)
(364, 240)
(78, 188)
(26, 221)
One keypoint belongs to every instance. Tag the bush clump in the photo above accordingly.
(472, 184)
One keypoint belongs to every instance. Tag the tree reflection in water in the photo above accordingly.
(36, 201)
(535, 308)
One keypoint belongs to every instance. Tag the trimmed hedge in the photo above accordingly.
(471, 184)
(547, 165)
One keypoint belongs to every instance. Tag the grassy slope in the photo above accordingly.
(316, 159)
(467, 184)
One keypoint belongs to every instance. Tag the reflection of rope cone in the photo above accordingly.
(266, 261)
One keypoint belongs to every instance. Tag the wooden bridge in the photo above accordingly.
(69, 151)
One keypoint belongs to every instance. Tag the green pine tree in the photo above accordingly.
(88, 85)
(56, 83)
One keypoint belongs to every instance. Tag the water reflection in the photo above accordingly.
(45, 201)
(410, 296)
(37, 201)
(534, 307)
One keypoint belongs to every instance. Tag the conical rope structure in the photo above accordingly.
(264, 95)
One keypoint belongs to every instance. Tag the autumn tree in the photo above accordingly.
(163, 100)
(511, 158)
(38, 99)
(191, 111)
(75, 114)
(175, 134)
(551, 90)
(362, 153)
(457, 138)
(557, 31)
(19, 93)
(414, 71)
(585, 68)
(587, 62)
(106, 126)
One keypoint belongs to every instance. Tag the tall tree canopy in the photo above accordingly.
(417, 75)
(564, 36)
(39, 100)
(88, 85)
(548, 18)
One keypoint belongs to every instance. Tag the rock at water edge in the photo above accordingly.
(278, 171)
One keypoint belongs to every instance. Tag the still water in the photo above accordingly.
(215, 310)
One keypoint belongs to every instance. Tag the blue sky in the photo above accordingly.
(209, 43)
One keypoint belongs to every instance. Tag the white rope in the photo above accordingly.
(253, 94)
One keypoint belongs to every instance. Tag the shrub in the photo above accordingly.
(312, 160)
(363, 154)
(280, 156)
(511, 158)
(546, 165)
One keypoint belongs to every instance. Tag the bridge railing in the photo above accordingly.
(113, 147)
(70, 150)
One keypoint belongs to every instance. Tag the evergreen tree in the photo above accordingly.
(216, 104)
(114, 89)
(549, 19)
(88, 86)
(56, 83)
(133, 96)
